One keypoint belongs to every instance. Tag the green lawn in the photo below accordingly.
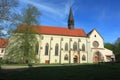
(66, 72)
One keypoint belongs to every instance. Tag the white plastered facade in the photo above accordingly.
(73, 56)
(79, 55)
(95, 36)
(2, 51)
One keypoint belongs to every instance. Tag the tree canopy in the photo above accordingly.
(6, 7)
(115, 47)
(24, 48)
(7, 13)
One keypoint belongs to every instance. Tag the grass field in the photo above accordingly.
(65, 72)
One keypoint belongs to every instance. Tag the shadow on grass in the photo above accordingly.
(66, 72)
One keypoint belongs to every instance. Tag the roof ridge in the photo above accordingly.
(55, 27)
(54, 30)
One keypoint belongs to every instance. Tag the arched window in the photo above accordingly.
(66, 57)
(83, 58)
(75, 46)
(56, 49)
(83, 47)
(46, 49)
(37, 47)
(2, 50)
(66, 47)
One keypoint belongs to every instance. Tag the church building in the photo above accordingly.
(71, 45)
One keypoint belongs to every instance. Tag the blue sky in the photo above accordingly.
(104, 15)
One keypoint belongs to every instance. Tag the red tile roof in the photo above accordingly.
(50, 30)
(3, 43)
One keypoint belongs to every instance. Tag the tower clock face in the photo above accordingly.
(95, 44)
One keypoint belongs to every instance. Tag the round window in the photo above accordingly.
(95, 44)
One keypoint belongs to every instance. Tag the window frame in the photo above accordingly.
(66, 57)
(83, 47)
(56, 49)
(75, 46)
(66, 46)
(83, 58)
(46, 49)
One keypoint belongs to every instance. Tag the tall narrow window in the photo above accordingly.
(75, 46)
(2, 51)
(37, 48)
(66, 47)
(83, 47)
(66, 57)
(83, 58)
(56, 49)
(46, 49)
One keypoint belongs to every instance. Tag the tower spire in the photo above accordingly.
(71, 20)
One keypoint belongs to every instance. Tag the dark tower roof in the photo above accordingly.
(71, 20)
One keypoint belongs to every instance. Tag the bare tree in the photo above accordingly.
(6, 7)
(7, 12)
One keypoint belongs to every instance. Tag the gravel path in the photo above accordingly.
(14, 67)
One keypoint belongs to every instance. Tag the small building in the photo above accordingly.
(3, 43)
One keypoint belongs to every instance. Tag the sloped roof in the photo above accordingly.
(3, 42)
(52, 30)
(107, 52)
(92, 31)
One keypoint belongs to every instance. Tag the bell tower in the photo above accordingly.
(70, 20)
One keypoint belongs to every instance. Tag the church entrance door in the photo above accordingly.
(75, 59)
(98, 57)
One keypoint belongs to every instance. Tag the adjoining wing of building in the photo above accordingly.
(3, 44)
(70, 45)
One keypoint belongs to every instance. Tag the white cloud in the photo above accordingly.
(58, 10)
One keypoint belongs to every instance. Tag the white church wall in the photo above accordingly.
(81, 58)
(55, 58)
(57, 40)
(83, 41)
(89, 52)
(63, 51)
(2, 51)
(52, 40)
(94, 36)
(42, 55)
